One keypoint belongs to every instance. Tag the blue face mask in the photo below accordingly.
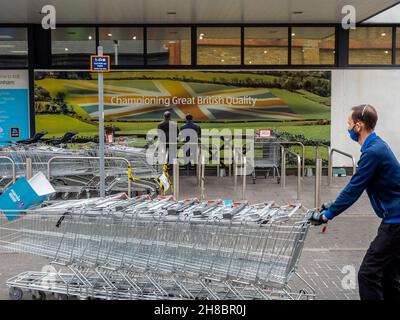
(353, 135)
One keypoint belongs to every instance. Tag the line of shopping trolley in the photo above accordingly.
(75, 171)
(144, 248)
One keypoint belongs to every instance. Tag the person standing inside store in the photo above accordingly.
(169, 135)
(192, 130)
(378, 173)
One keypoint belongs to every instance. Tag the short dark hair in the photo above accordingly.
(366, 114)
(167, 115)
(189, 117)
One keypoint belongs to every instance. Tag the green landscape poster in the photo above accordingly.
(292, 102)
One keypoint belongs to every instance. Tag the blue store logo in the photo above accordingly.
(14, 132)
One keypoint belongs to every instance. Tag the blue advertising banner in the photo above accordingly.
(14, 105)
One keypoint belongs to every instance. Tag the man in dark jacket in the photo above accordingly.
(171, 131)
(378, 173)
(191, 129)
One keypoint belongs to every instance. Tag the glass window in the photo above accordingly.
(124, 45)
(168, 46)
(72, 46)
(398, 46)
(313, 45)
(265, 46)
(372, 45)
(218, 46)
(13, 47)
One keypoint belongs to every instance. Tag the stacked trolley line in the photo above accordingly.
(144, 248)
(75, 172)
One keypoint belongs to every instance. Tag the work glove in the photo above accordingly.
(317, 218)
(325, 206)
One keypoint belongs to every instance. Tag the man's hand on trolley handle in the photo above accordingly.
(317, 217)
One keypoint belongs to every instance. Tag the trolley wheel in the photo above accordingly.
(38, 295)
(278, 180)
(15, 293)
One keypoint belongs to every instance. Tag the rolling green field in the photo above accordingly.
(307, 106)
(57, 125)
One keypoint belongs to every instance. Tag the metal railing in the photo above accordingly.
(330, 162)
(321, 146)
(303, 153)
(14, 170)
(53, 159)
(285, 152)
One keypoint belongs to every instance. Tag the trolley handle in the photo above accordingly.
(58, 224)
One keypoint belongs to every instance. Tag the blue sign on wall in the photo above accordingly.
(14, 105)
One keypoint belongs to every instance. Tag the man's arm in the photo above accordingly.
(366, 169)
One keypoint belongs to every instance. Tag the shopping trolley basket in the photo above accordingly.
(251, 244)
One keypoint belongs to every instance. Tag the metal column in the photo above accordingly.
(101, 128)
(318, 176)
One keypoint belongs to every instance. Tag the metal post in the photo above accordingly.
(283, 167)
(235, 169)
(330, 167)
(101, 128)
(244, 178)
(318, 176)
(299, 177)
(28, 168)
(175, 173)
(202, 188)
(198, 166)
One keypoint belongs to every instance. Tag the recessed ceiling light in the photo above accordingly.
(90, 37)
(222, 60)
(250, 62)
(298, 12)
(383, 34)
(110, 34)
(293, 34)
(66, 49)
(265, 51)
(386, 51)
(134, 37)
